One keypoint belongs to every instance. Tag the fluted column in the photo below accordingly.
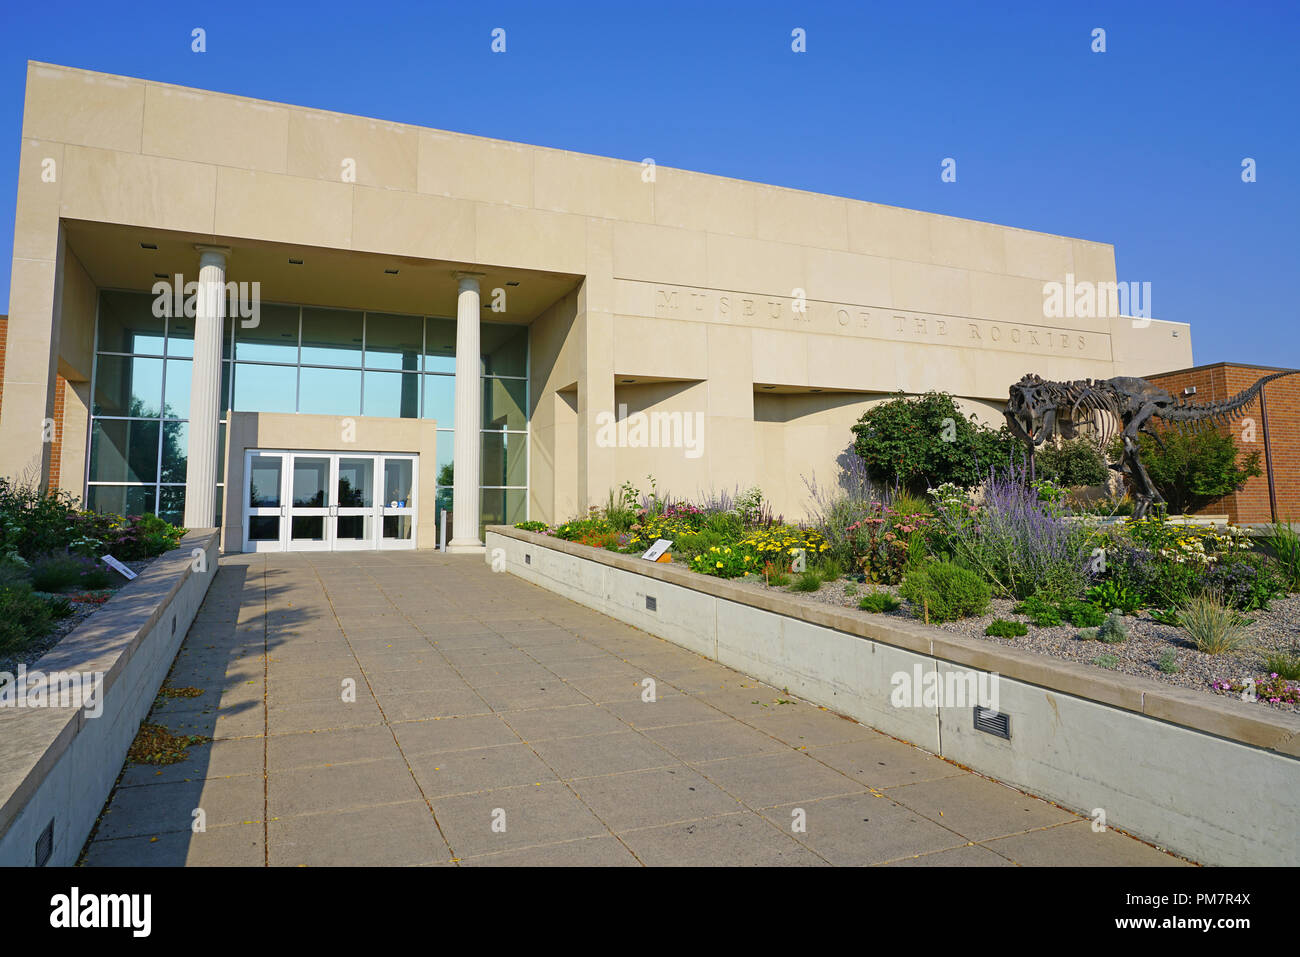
(469, 417)
(205, 389)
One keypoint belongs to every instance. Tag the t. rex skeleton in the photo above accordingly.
(1038, 409)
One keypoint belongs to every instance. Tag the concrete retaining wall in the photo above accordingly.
(59, 764)
(1211, 778)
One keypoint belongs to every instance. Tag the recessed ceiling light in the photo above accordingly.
(148, 245)
(814, 390)
(391, 272)
(629, 380)
(769, 387)
(161, 275)
(294, 262)
(515, 283)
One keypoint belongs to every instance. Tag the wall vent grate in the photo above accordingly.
(45, 845)
(528, 559)
(651, 603)
(993, 722)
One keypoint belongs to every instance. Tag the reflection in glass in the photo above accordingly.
(329, 391)
(308, 528)
(171, 504)
(440, 345)
(393, 395)
(127, 323)
(505, 458)
(331, 337)
(124, 450)
(176, 402)
(356, 528)
(127, 386)
(175, 450)
(121, 499)
(397, 526)
(264, 486)
(310, 482)
(265, 388)
(273, 339)
(440, 399)
(393, 342)
(356, 483)
(263, 528)
(398, 483)
(504, 403)
(504, 348)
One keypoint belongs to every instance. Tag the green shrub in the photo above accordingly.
(1168, 663)
(879, 602)
(61, 572)
(33, 522)
(1193, 468)
(726, 561)
(1213, 626)
(1001, 628)
(24, 615)
(531, 526)
(1076, 462)
(1113, 630)
(1166, 616)
(1283, 665)
(850, 589)
(942, 591)
(807, 580)
(1039, 610)
(830, 570)
(1082, 614)
(1106, 661)
(1110, 594)
(60, 607)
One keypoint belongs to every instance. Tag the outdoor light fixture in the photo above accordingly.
(628, 380)
(149, 246)
(1190, 390)
(390, 272)
(515, 283)
(161, 275)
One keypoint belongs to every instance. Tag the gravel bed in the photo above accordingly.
(30, 653)
(1277, 629)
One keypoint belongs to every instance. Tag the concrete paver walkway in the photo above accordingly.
(496, 723)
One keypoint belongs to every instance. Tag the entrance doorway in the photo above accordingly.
(328, 501)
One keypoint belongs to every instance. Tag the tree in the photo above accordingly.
(1192, 469)
(1075, 462)
(922, 442)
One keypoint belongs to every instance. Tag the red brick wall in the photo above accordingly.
(4, 345)
(1224, 380)
(56, 447)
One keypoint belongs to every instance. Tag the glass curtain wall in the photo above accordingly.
(296, 359)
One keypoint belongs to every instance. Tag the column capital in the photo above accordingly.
(208, 253)
(466, 278)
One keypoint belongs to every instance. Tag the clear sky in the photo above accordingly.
(1140, 146)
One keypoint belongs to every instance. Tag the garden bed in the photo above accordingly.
(84, 606)
(1276, 630)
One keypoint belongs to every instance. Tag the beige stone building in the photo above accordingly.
(293, 323)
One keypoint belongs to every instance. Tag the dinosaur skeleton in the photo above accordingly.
(1123, 406)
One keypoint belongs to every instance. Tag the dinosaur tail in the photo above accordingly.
(1195, 415)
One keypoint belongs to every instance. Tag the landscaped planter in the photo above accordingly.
(58, 763)
(1212, 778)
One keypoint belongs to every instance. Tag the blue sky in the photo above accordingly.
(1140, 146)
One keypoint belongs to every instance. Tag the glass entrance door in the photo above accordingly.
(329, 501)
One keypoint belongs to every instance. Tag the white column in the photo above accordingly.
(205, 389)
(469, 418)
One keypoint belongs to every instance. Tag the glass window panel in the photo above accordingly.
(356, 483)
(263, 528)
(398, 483)
(356, 528)
(180, 336)
(127, 386)
(440, 399)
(309, 528)
(395, 395)
(329, 391)
(445, 455)
(504, 403)
(221, 502)
(273, 339)
(226, 369)
(124, 450)
(397, 526)
(310, 482)
(265, 473)
(440, 345)
(127, 323)
(171, 504)
(121, 499)
(504, 349)
(265, 388)
(502, 506)
(176, 401)
(393, 342)
(175, 450)
(221, 452)
(505, 458)
(331, 337)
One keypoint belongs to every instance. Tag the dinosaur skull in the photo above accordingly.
(1031, 411)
